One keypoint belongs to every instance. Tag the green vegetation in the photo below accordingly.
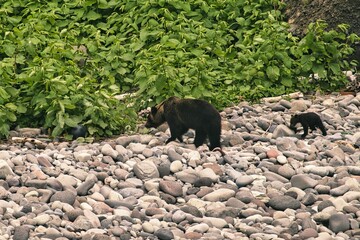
(62, 62)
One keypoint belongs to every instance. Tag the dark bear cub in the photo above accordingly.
(78, 131)
(308, 120)
(183, 114)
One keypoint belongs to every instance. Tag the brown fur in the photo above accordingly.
(183, 114)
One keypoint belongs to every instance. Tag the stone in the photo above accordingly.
(308, 233)
(243, 181)
(221, 195)
(21, 233)
(174, 156)
(137, 148)
(281, 203)
(164, 234)
(176, 166)
(282, 131)
(146, 169)
(5, 169)
(339, 223)
(171, 187)
(303, 181)
(64, 196)
(203, 181)
(107, 150)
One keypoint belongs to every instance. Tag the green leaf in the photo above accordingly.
(4, 129)
(11, 106)
(3, 93)
(273, 72)
(335, 68)
(287, 82)
(21, 109)
(11, 116)
(320, 69)
(91, 15)
(71, 122)
(56, 131)
(127, 57)
(9, 49)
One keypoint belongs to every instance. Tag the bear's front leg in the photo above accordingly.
(306, 130)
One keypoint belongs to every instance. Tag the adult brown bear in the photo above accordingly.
(183, 114)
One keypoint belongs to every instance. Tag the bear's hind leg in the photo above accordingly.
(322, 128)
(214, 138)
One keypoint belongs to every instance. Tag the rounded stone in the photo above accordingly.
(283, 202)
(146, 169)
(339, 223)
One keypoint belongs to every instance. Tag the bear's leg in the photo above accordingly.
(200, 136)
(306, 129)
(176, 131)
(313, 128)
(214, 138)
(322, 128)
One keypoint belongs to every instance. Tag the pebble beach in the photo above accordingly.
(269, 185)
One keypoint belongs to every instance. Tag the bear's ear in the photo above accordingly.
(153, 110)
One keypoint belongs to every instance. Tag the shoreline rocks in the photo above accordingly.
(270, 184)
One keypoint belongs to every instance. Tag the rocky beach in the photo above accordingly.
(270, 184)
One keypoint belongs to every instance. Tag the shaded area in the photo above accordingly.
(334, 12)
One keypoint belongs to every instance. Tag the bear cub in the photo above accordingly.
(307, 120)
(183, 114)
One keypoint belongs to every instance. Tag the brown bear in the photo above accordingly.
(308, 120)
(183, 114)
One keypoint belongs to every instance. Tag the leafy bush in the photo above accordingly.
(58, 70)
(62, 62)
(323, 54)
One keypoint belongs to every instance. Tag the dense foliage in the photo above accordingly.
(62, 62)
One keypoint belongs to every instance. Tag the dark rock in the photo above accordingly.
(339, 223)
(309, 199)
(40, 184)
(164, 234)
(73, 214)
(192, 210)
(308, 223)
(223, 212)
(64, 196)
(324, 204)
(203, 181)
(21, 233)
(83, 189)
(167, 198)
(303, 181)
(283, 202)
(164, 169)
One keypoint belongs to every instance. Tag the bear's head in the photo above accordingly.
(156, 117)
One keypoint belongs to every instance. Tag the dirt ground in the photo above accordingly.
(301, 12)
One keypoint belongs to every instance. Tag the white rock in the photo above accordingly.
(176, 166)
(281, 159)
(208, 172)
(200, 228)
(221, 194)
(107, 150)
(137, 148)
